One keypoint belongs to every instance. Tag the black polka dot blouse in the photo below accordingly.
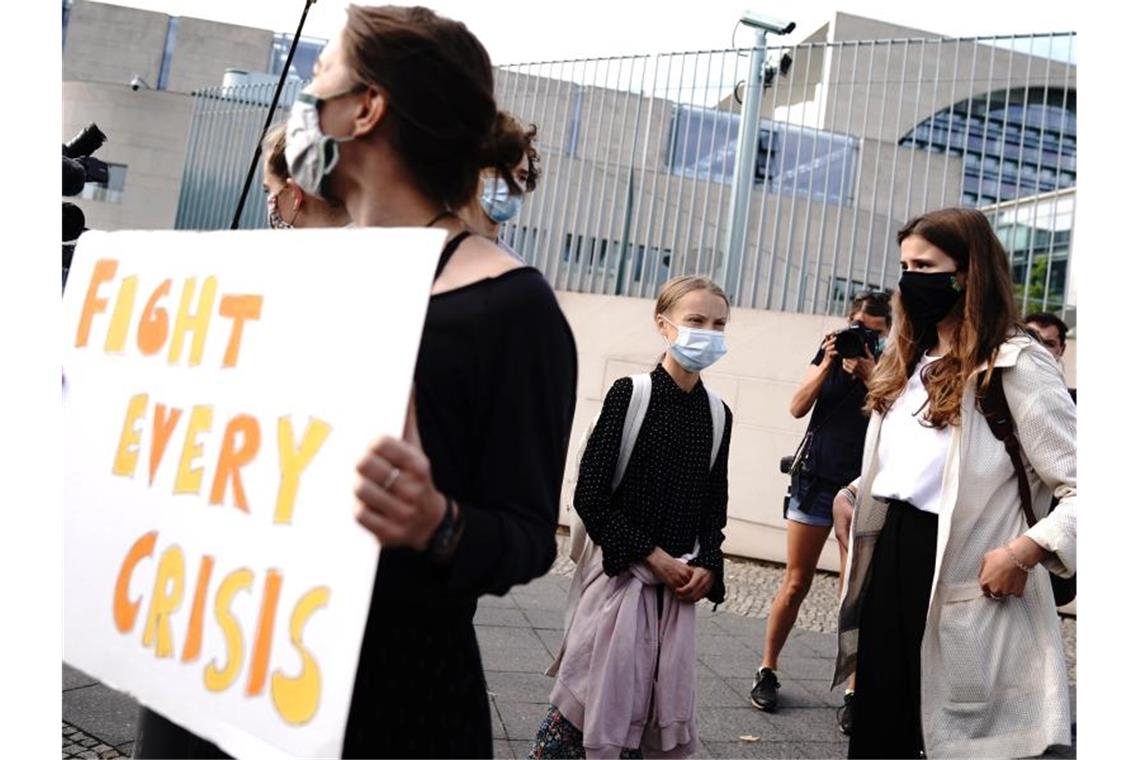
(668, 496)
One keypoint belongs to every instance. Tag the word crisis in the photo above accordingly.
(296, 697)
(154, 331)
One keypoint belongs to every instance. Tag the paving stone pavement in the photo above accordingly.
(519, 633)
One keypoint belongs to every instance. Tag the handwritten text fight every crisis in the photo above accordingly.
(295, 696)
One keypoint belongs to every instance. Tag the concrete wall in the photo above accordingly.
(110, 43)
(203, 50)
(147, 131)
(768, 354)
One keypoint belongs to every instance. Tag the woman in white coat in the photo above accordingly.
(947, 616)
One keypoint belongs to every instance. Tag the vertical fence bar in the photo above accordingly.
(667, 209)
(1057, 184)
(894, 167)
(558, 231)
(857, 180)
(969, 127)
(986, 127)
(618, 246)
(716, 120)
(696, 168)
(653, 202)
(778, 185)
(875, 179)
(678, 141)
(682, 178)
(1041, 135)
(950, 118)
(181, 216)
(843, 175)
(934, 112)
(809, 205)
(833, 64)
(920, 87)
(794, 197)
(718, 219)
(552, 132)
(641, 258)
(586, 166)
(605, 252)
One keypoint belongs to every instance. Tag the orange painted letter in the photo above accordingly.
(294, 460)
(261, 645)
(154, 325)
(198, 322)
(239, 309)
(127, 455)
(219, 678)
(160, 436)
(104, 270)
(193, 646)
(121, 317)
(297, 699)
(189, 479)
(126, 611)
(231, 459)
(169, 582)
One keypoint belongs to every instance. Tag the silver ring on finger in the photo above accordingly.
(390, 481)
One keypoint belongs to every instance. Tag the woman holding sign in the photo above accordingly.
(397, 124)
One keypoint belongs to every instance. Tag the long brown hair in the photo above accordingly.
(983, 318)
(443, 122)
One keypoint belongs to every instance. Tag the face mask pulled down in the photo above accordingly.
(696, 349)
(311, 154)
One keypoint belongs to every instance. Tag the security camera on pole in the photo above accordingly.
(743, 173)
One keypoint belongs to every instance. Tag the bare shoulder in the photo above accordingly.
(476, 258)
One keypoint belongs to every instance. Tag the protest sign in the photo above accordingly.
(219, 389)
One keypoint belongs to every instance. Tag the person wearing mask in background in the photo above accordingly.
(396, 124)
(626, 673)
(286, 204)
(1052, 331)
(834, 389)
(947, 615)
(501, 195)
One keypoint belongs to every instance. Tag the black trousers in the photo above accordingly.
(887, 722)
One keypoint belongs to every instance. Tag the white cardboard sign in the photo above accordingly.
(219, 389)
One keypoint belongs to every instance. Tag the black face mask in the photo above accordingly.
(928, 298)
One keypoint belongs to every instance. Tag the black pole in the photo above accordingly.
(269, 117)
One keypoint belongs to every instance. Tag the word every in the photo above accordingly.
(295, 697)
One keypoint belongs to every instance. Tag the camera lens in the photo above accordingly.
(849, 343)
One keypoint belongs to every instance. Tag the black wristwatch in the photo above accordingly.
(443, 542)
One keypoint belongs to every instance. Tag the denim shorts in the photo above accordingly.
(811, 501)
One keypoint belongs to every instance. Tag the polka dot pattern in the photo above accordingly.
(668, 496)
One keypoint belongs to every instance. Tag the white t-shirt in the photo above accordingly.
(912, 455)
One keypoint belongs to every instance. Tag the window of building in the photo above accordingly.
(308, 51)
(112, 191)
(792, 160)
(1014, 143)
(167, 52)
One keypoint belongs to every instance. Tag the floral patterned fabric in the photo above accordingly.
(559, 738)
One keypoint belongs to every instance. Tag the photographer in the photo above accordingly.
(830, 457)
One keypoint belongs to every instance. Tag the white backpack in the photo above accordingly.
(634, 416)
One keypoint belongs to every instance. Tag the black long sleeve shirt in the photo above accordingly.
(496, 385)
(668, 496)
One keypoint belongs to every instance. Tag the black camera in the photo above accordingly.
(79, 166)
(850, 343)
(786, 463)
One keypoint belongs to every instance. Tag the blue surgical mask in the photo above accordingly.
(498, 203)
(696, 349)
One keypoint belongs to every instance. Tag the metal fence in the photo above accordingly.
(225, 125)
(855, 137)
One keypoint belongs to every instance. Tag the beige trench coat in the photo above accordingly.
(994, 681)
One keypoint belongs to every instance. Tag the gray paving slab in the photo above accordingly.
(501, 616)
(519, 687)
(75, 679)
(512, 649)
(779, 749)
(728, 724)
(713, 692)
(497, 729)
(552, 639)
(498, 601)
(521, 747)
(522, 719)
(101, 712)
(552, 620)
(502, 748)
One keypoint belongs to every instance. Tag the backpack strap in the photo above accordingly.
(716, 407)
(995, 408)
(634, 416)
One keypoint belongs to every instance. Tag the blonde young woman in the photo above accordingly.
(626, 676)
(947, 616)
(286, 204)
